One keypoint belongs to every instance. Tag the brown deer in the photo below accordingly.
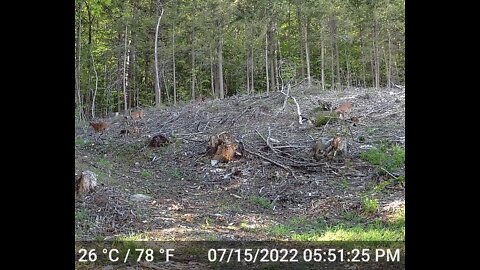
(343, 109)
(137, 115)
(99, 126)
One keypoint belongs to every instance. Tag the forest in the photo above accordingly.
(239, 121)
(138, 54)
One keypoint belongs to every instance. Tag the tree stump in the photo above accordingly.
(86, 183)
(159, 140)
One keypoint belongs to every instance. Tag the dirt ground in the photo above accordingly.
(189, 199)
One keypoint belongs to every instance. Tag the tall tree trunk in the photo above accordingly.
(348, 67)
(247, 53)
(271, 46)
(220, 61)
(131, 69)
(289, 32)
(322, 48)
(173, 66)
(119, 72)
(90, 22)
(362, 56)
(332, 58)
(339, 77)
(133, 60)
(277, 67)
(193, 65)
(212, 79)
(158, 91)
(106, 92)
(247, 64)
(193, 49)
(300, 41)
(134, 76)
(376, 55)
(389, 65)
(124, 72)
(78, 66)
(397, 73)
(96, 86)
(332, 46)
(89, 93)
(307, 54)
(266, 60)
(252, 89)
(165, 83)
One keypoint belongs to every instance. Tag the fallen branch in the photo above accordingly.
(389, 173)
(298, 111)
(290, 146)
(272, 161)
(398, 86)
(266, 141)
(188, 134)
(287, 95)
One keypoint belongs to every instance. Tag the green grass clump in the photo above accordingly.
(389, 158)
(323, 117)
(351, 227)
(146, 174)
(262, 202)
(369, 205)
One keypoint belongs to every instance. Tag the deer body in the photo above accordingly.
(343, 109)
(136, 115)
(99, 126)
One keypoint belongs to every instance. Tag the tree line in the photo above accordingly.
(139, 53)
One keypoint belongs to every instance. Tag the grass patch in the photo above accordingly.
(352, 227)
(132, 237)
(211, 237)
(207, 224)
(230, 207)
(400, 179)
(81, 141)
(176, 174)
(371, 130)
(145, 173)
(129, 152)
(398, 218)
(344, 184)
(323, 117)
(369, 205)
(352, 218)
(380, 187)
(105, 163)
(280, 230)
(261, 201)
(372, 232)
(81, 215)
(389, 158)
(98, 238)
(244, 225)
